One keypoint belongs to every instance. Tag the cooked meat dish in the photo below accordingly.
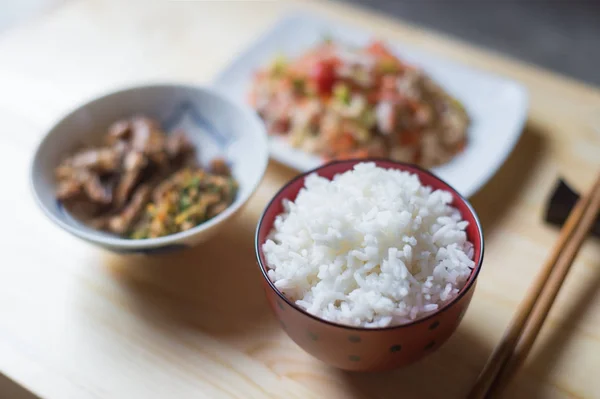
(143, 183)
(344, 102)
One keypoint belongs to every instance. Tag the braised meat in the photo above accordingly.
(119, 186)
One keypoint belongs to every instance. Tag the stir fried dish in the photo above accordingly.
(143, 183)
(342, 102)
(188, 198)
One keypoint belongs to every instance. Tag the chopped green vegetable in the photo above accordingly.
(279, 65)
(457, 104)
(233, 188)
(368, 118)
(342, 93)
(299, 85)
(195, 181)
(184, 203)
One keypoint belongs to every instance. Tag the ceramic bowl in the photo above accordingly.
(217, 127)
(368, 349)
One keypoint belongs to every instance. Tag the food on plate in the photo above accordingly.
(372, 247)
(343, 102)
(142, 182)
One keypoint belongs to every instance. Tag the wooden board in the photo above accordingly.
(77, 322)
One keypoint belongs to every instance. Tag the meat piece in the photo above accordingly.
(453, 128)
(69, 189)
(84, 210)
(99, 223)
(403, 154)
(377, 147)
(75, 182)
(121, 223)
(134, 160)
(177, 144)
(102, 160)
(94, 189)
(432, 152)
(423, 116)
(133, 166)
(118, 131)
(220, 167)
(148, 138)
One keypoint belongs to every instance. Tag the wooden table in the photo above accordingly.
(76, 322)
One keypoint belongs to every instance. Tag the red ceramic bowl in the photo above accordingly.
(368, 349)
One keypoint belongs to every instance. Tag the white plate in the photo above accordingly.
(497, 106)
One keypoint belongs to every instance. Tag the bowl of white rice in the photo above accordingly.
(369, 265)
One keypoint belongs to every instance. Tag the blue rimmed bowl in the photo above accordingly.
(217, 126)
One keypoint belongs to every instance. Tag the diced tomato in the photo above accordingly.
(387, 58)
(379, 49)
(323, 74)
(280, 126)
(391, 96)
(388, 82)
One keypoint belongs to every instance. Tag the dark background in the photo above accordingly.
(561, 35)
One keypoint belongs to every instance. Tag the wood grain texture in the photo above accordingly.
(80, 323)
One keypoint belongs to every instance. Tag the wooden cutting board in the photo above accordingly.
(76, 322)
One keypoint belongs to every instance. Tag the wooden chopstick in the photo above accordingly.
(512, 350)
(548, 295)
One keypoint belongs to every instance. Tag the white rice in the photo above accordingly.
(372, 248)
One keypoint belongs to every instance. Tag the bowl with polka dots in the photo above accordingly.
(368, 349)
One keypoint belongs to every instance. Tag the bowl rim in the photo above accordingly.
(141, 244)
(468, 286)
